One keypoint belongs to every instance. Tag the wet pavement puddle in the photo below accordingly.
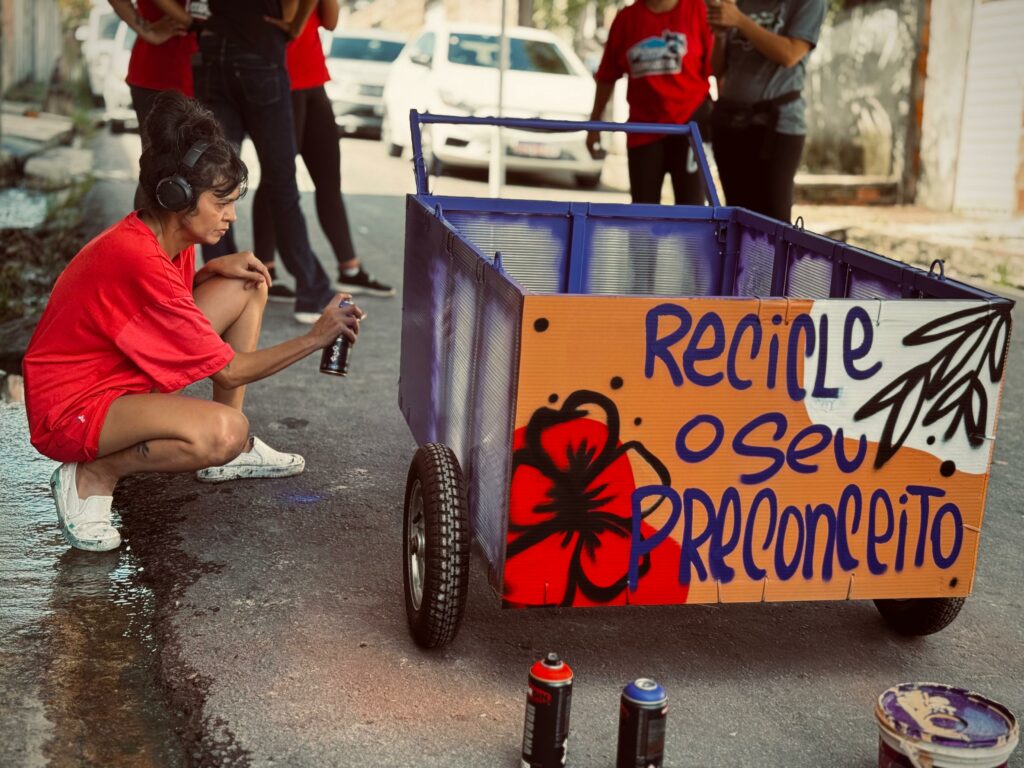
(78, 652)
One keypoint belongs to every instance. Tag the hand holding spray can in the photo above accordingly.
(548, 700)
(334, 358)
(642, 712)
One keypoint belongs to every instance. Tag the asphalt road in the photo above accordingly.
(278, 610)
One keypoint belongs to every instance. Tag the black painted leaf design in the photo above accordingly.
(898, 398)
(998, 343)
(962, 322)
(975, 413)
(950, 380)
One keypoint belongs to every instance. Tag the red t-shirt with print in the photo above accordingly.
(305, 56)
(166, 67)
(667, 57)
(121, 319)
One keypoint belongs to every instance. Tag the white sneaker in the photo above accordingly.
(85, 524)
(260, 461)
(307, 318)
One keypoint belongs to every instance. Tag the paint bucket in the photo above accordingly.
(929, 725)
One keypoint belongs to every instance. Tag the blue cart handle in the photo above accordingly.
(688, 129)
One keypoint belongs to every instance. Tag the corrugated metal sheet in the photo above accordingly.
(993, 104)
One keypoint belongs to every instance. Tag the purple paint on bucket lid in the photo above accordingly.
(947, 716)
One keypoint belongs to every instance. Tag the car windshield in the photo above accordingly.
(524, 55)
(365, 49)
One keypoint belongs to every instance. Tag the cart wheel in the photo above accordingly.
(588, 180)
(117, 126)
(436, 535)
(920, 616)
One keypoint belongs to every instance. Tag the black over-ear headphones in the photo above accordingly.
(174, 193)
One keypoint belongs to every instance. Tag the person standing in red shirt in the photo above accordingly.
(130, 322)
(161, 57)
(316, 136)
(664, 46)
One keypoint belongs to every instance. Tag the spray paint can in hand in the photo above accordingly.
(642, 712)
(547, 713)
(334, 359)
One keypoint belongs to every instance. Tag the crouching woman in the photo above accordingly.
(130, 323)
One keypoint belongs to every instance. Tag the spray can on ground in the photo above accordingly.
(642, 711)
(547, 713)
(334, 359)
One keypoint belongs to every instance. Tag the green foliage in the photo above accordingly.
(74, 12)
(32, 91)
(31, 259)
(560, 14)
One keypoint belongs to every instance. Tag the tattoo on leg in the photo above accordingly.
(143, 449)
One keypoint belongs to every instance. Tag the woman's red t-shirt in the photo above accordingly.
(166, 67)
(121, 319)
(305, 57)
(667, 57)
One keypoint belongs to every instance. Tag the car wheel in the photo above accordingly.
(588, 180)
(430, 160)
(920, 616)
(436, 546)
(394, 150)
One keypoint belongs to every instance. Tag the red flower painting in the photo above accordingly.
(570, 513)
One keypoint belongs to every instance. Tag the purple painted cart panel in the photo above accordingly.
(462, 308)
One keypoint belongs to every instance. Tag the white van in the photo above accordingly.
(453, 69)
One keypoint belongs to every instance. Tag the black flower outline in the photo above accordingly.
(950, 380)
(576, 495)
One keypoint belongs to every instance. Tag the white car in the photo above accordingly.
(453, 69)
(97, 38)
(117, 97)
(358, 62)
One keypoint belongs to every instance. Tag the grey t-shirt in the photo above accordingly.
(750, 77)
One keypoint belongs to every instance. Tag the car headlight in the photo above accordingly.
(342, 89)
(456, 102)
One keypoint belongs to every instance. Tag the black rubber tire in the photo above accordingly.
(446, 562)
(588, 180)
(117, 126)
(394, 150)
(920, 616)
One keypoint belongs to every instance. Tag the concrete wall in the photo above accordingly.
(859, 90)
(948, 42)
(32, 39)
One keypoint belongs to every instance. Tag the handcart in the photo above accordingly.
(640, 404)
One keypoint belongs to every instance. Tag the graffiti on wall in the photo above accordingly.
(858, 93)
(715, 450)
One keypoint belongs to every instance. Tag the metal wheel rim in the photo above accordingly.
(416, 544)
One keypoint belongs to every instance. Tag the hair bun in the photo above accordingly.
(176, 122)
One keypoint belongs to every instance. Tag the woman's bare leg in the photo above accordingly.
(236, 313)
(161, 433)
(175, 433)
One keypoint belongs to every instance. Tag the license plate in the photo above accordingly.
(536, 149)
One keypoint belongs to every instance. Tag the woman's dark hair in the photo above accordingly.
(173, 126)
